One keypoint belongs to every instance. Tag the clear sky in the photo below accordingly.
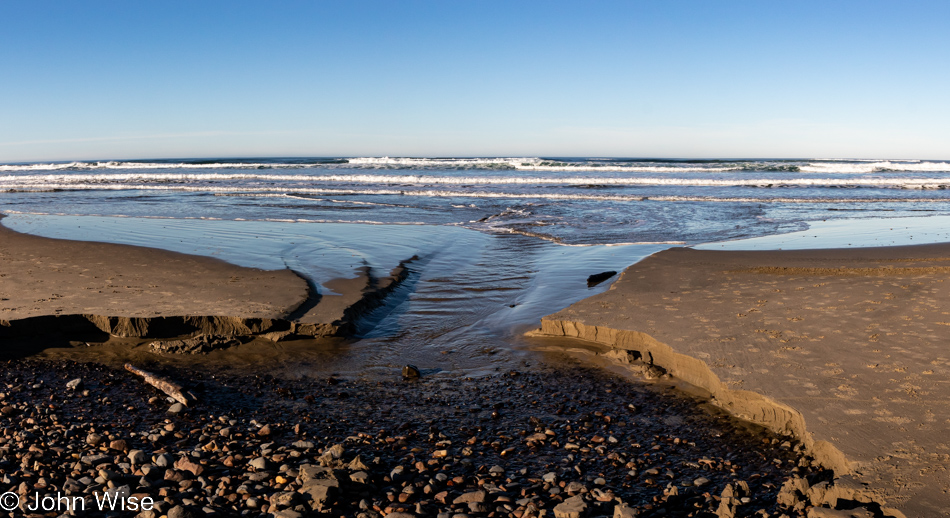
(138, 79)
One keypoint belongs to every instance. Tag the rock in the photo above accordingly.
(470, 497)
(319, 493)
(311, 472)
(93, 439)
(598, 278)
(176, 409)
(411, 372)
(283, 499)
(573, 507)
(118, 445)
(336, 451)
(75, 384)
(701, 481)
(625, 511)
(792, 492)
(138, 457)
(264, 431)
(180, 512)
(258, 463)
(399, 514)
(357, 464)
(185, 464)
(201, 344)
(303, 445)
(575, 487)
(95, 460)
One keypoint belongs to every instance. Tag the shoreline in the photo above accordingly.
(764, 410)
(92, 289)
(772, 335)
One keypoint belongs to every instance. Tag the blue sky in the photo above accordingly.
(100, 80)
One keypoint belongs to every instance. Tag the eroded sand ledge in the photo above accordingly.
(127, 291)
(848, 343)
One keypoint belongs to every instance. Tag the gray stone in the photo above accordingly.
(138, 457)
(164, 460)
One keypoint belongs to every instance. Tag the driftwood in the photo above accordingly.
(169, 387)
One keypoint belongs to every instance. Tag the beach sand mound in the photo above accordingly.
(76, 287)
(846, 349)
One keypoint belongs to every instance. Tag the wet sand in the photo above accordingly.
(87, 287)
(846, 349)
(42, 276)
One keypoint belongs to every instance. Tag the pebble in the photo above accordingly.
(398, 450)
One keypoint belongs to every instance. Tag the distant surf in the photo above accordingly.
(567, 200)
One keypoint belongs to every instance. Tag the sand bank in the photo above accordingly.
(846, 349)
(130, 291)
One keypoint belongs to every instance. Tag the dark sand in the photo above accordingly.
(846, 349)
(41, 276)
(128, 291)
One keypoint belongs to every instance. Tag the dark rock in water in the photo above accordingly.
(410, 372)
(598, 278)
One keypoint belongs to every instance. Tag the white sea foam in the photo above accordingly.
(874, 167)
(267, 192)
(508, 163)
(82, 180)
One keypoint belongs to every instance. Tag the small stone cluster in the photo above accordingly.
(566, 442)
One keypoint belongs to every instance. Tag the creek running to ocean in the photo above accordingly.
(498, 242)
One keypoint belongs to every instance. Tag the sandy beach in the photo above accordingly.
(843, 348)
(576, 450)
(836, 351)
(98, 290)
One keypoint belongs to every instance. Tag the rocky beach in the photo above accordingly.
(559, 440)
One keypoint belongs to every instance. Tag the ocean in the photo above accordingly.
(500, 242)
(570, 201)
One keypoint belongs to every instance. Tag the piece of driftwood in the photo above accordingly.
(169, 387)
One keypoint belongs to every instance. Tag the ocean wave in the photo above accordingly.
(266, 192)
(875, 167)
(83, 180)
(504, 164)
